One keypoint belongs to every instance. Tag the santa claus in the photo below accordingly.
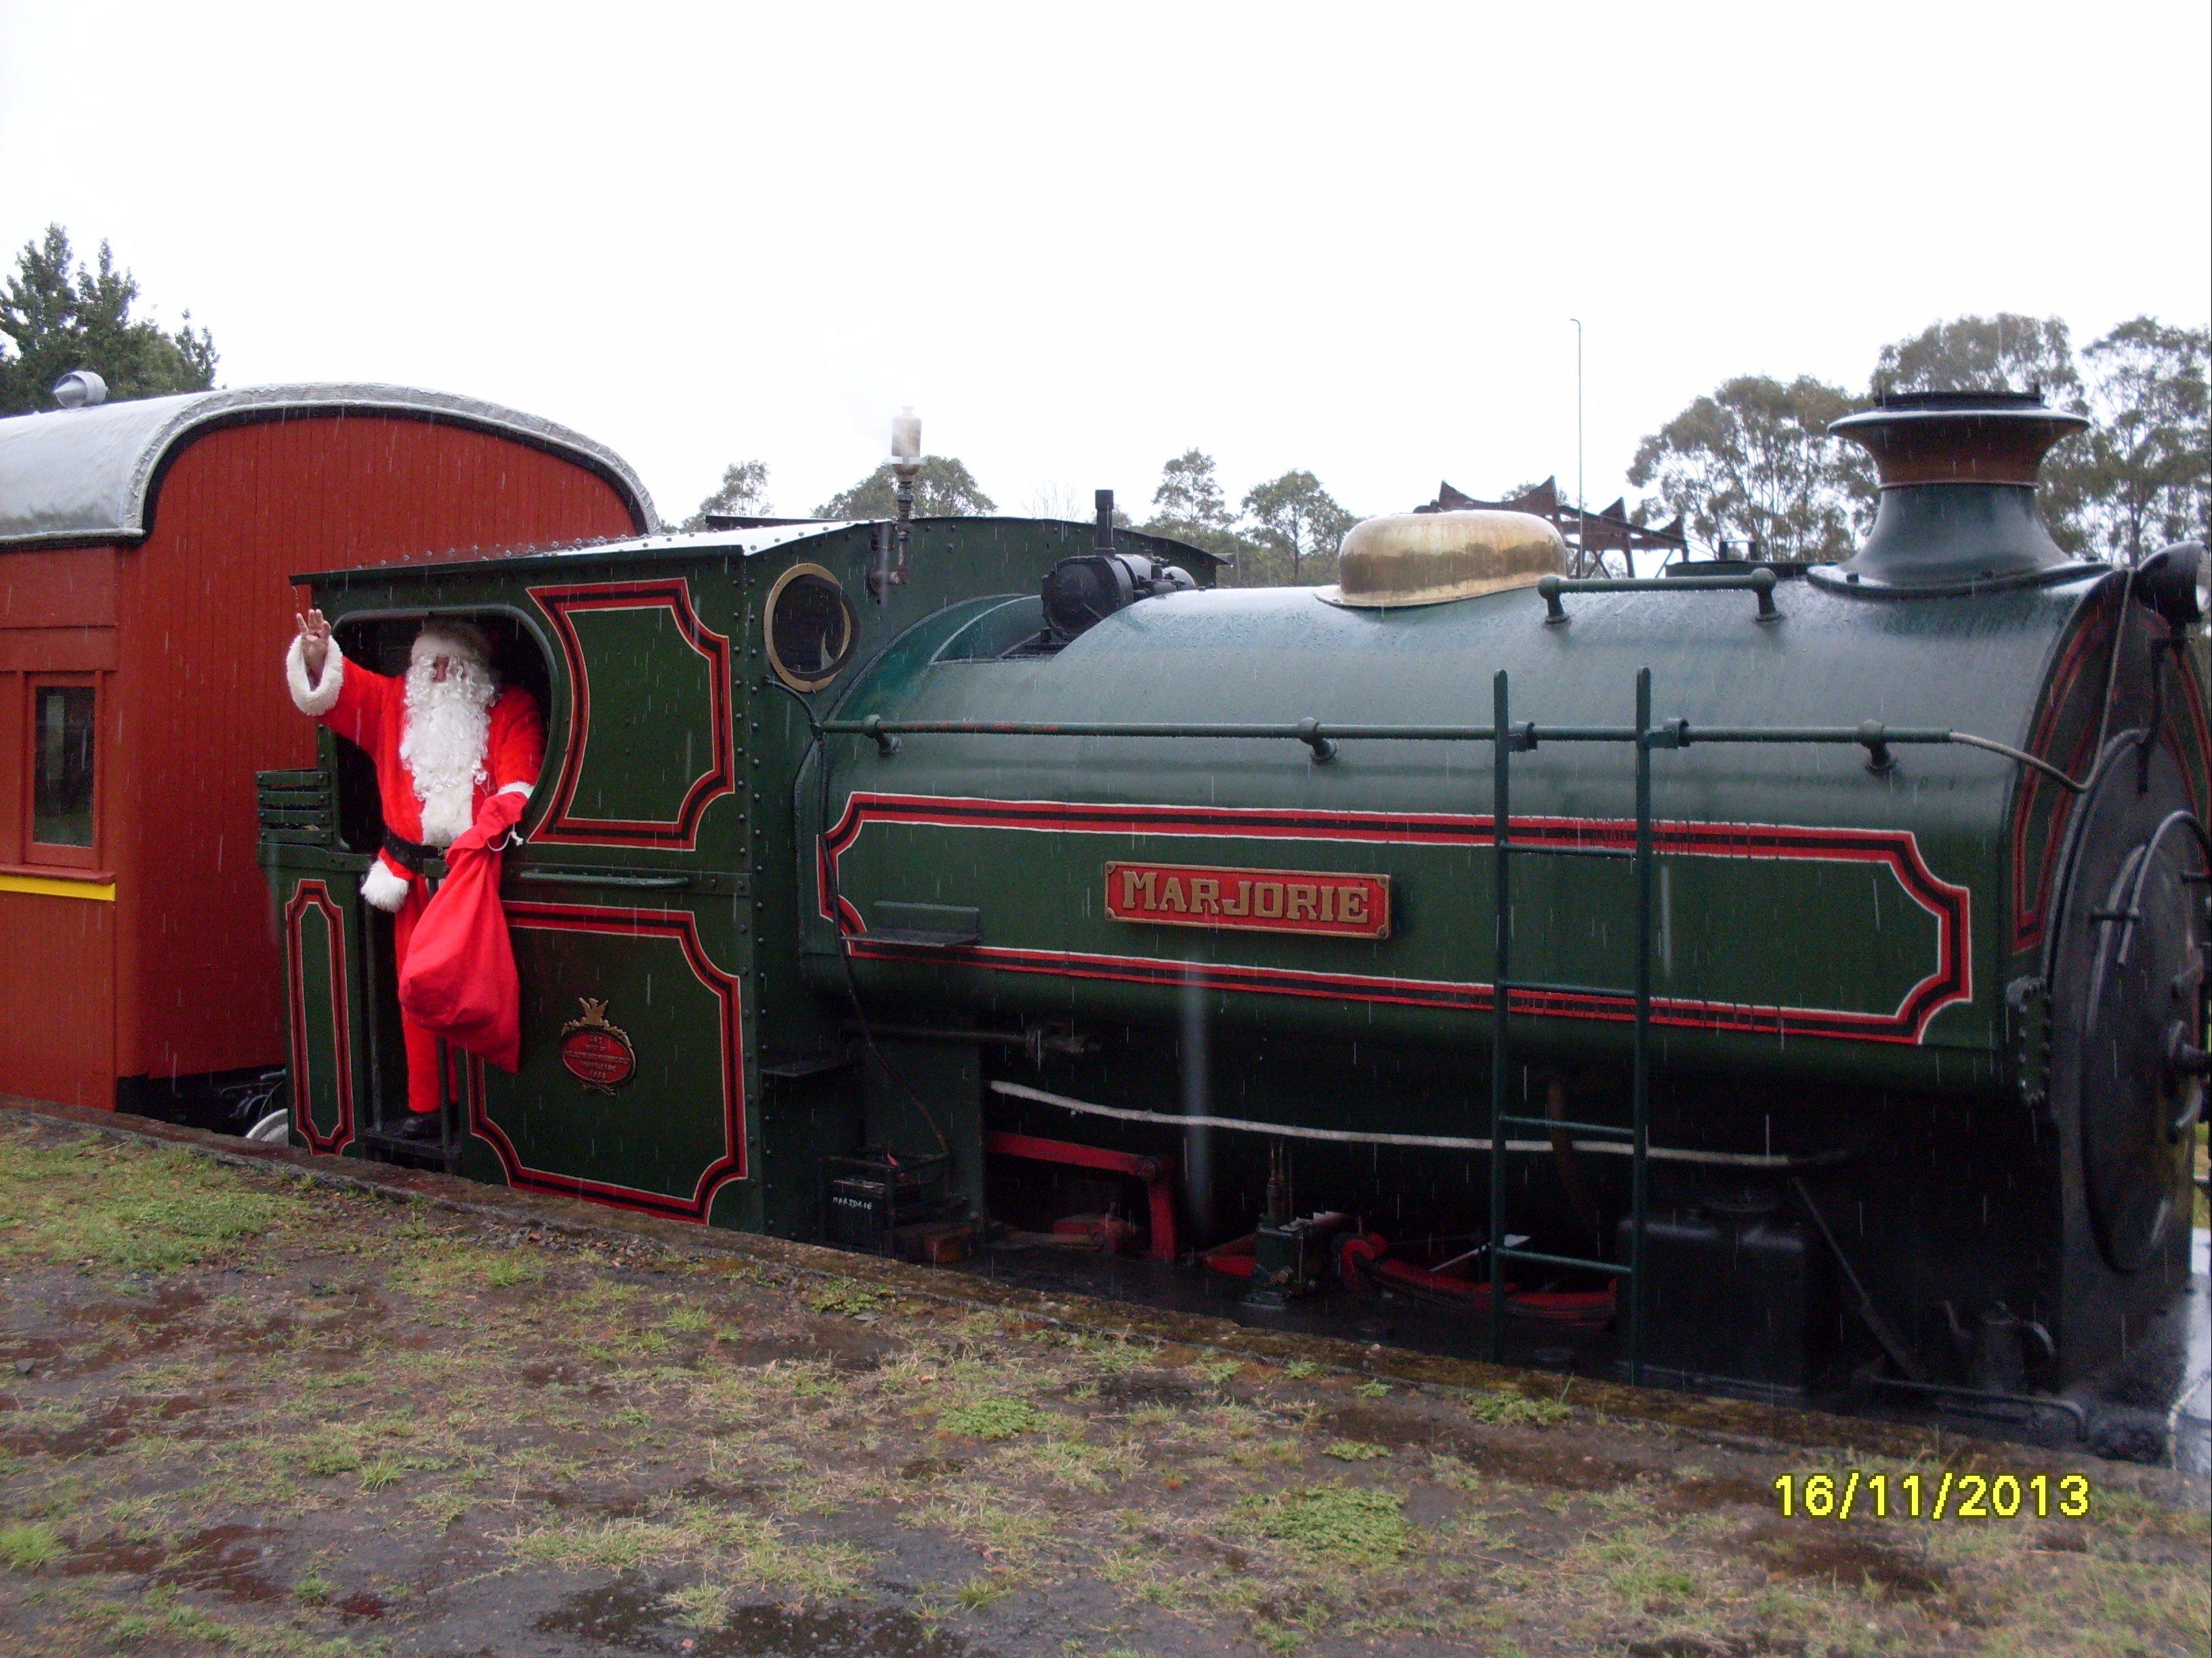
(452, 746)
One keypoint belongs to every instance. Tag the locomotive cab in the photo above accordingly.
(674, 1061)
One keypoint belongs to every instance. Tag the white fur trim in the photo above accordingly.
(518, 788)
(318, 700)
(382, 890)
(450, 636)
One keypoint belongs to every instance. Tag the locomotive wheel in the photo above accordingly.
(2143, 990)
(2128, 993)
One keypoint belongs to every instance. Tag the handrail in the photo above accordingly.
(1757, 582)
(586, 878)
(1322, 737)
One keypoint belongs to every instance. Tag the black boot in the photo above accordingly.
(419, 1128)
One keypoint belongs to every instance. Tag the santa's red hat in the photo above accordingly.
(451, 637)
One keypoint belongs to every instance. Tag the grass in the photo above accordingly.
(27, 1545)
(553, 1439)
(385, 1471)
(441, 1509)
(1000, 1525)
(991, 1418)
(1496, 1406)
(1070, 1464)
(978, 1593)
(329, 1459)
(138, 1212)
(704, 1607)
(1348, 1523)
(1355, 1450)
(504, 1272)
(735, 1548)
(439, 1267)
(847, 1298)
(1118, 1358)
(625, 1544)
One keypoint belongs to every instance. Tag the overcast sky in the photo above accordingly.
(1080, 240)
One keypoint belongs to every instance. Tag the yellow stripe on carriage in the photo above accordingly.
(47, 886)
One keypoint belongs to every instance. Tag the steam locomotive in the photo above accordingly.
(1750, 976)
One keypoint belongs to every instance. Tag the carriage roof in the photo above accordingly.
(90, 474)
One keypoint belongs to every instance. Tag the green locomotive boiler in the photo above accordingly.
(1766, 977)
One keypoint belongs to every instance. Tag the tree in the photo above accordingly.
(1190, 493)
(742, 493)
(2145, 477)
(945, 488)
(59, 315)
(2004, 353)
(1293, 519)
(1189, 507)
(1753, 460)
(1245, 561)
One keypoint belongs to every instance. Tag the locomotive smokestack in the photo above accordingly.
(1103, 537)
(1957, 474)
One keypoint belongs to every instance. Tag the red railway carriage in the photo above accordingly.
(145, 548)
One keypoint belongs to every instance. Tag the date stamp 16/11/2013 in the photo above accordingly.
(1857, 1495)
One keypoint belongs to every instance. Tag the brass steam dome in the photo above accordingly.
(1429, 558)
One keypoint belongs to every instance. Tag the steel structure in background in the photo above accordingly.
(1590, 535)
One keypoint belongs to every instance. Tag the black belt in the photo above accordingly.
(410, 855)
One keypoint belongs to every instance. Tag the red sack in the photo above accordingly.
(459, 980)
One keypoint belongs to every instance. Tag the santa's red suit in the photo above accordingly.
(448, 741)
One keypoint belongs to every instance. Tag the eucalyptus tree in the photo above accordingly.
(1295, 523)
(1752, 461)
(742, 493)
(2149, 460)
(943, 488)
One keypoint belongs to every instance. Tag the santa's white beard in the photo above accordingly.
(443, 744)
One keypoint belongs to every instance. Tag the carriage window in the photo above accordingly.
(61, 727)
(809, 626)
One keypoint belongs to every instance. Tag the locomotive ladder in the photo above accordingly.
(1506, 743)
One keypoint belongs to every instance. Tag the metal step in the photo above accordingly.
(1613, 1268)
(1552, 989)
(1564, 1125)
(381, 1147)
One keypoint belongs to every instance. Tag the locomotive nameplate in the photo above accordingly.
(1250, 900)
